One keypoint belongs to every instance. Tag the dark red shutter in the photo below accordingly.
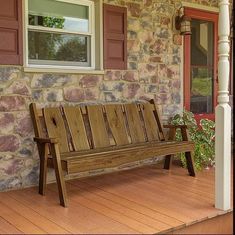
(11, 32)
(115, 37)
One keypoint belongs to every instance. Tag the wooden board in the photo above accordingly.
(148, 212)
(118, 203)
(117, 157)
(77, 128)
(150, 122)
(77, 219)
(7, 228)
(218, 225)
(56, 127)
(158, 119)
(35, 119)
(120, 213)
(20, 222)
(32, 216)
(117, 124)
(134, 123)
(98, 128)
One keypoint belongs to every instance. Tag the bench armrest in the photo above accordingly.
(46, 140)
(175, 126)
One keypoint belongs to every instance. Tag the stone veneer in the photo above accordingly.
(154, 60)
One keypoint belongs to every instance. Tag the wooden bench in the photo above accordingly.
(85, 138)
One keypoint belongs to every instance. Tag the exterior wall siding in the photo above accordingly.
(154, 71)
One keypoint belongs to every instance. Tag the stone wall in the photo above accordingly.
(154, 62)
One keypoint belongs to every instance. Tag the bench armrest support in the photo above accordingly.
(184, 131)
(175, 126)
(46, 140)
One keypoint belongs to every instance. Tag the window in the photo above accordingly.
(201, 64)
(60, 33)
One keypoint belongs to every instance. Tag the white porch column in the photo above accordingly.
(223, 115)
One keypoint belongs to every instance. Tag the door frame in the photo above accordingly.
(208, 16)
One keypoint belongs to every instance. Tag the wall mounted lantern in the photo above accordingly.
(183, 23)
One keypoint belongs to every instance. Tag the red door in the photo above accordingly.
(200, 66)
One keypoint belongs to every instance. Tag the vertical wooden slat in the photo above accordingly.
(158, 119)
(77, 129)
(56, 127)
(116, 123)
(35, 117)
(98, 128)
(134, 123)
(150, 122)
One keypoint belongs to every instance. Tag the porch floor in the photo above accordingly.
(143, 200)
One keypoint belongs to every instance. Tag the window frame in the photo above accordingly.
(208, 16)
(91, 33)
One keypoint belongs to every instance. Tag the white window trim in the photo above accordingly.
(92, 31)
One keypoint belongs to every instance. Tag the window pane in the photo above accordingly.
(61, 15)
(201, 90)
(53, 48)
(202, 42)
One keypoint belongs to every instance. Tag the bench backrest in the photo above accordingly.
(98, 126)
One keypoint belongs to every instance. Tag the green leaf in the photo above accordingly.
(203, 136)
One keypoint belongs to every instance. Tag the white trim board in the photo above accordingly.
(60, 70)
(200, 7)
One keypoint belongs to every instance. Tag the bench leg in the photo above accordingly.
(59, 175)
(168, 161)
(168, 158)
(43, 168)
(188, 155)
(190, 164)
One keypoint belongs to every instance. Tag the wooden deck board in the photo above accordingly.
(124, 211)
(129, 204)
(7, 228)
(18, 221)
(105, 210)
(32, 216)
(144, 200)
(174, 186)
(162, 200)
(191, 184)
(75, 219)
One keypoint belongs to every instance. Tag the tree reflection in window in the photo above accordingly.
(54, 46)
(58, 47)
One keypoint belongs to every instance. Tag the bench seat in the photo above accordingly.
(116, 155)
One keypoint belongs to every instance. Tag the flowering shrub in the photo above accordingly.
(203, 135)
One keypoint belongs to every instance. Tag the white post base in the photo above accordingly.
(223, 157)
